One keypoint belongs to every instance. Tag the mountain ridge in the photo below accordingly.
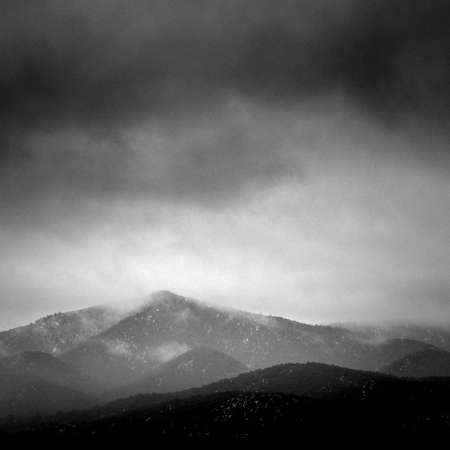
(119, 348)
(59, 332)
(194, 368)
(425, 363)
(319, 389)
(167, 325)
(40, 365)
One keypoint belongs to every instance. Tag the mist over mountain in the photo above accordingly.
(187, 356)
(168, 325)
(437, 335)
(425, 363)
(58, 332)
(113, 349)
(195, 368)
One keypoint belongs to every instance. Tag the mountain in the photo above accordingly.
(391, 350)
(292, 400)
(310, 379)
(59, 332)
(168, 325)
(314, 380)
(187, 353)
(435, 335)
(25, 396)
(427, 363)
(247, 418)
(36, 382)
(196, 367)
(41, 366)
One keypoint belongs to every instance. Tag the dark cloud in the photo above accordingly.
(103, 67)
(127, 126)
(207, 161)
(113, 61)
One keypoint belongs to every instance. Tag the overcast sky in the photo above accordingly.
(285, 157)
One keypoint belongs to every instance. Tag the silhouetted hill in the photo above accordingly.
(310, 379)
(427, 363)
(288, 401)
(313, 380)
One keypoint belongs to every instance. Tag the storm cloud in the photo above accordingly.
(125, 115)
(100, 68)
(95, 63)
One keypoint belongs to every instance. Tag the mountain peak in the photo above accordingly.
(169, 300)
(165, 296)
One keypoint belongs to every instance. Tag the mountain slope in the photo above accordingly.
(313, 380)
(391, 350)
(41, 366)
(169, 325)
(427, 363)
(36, 382)
(59, 332)
(437, 336)
(194, 368)
(250, 418)
(22, 396)
(288, 400)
